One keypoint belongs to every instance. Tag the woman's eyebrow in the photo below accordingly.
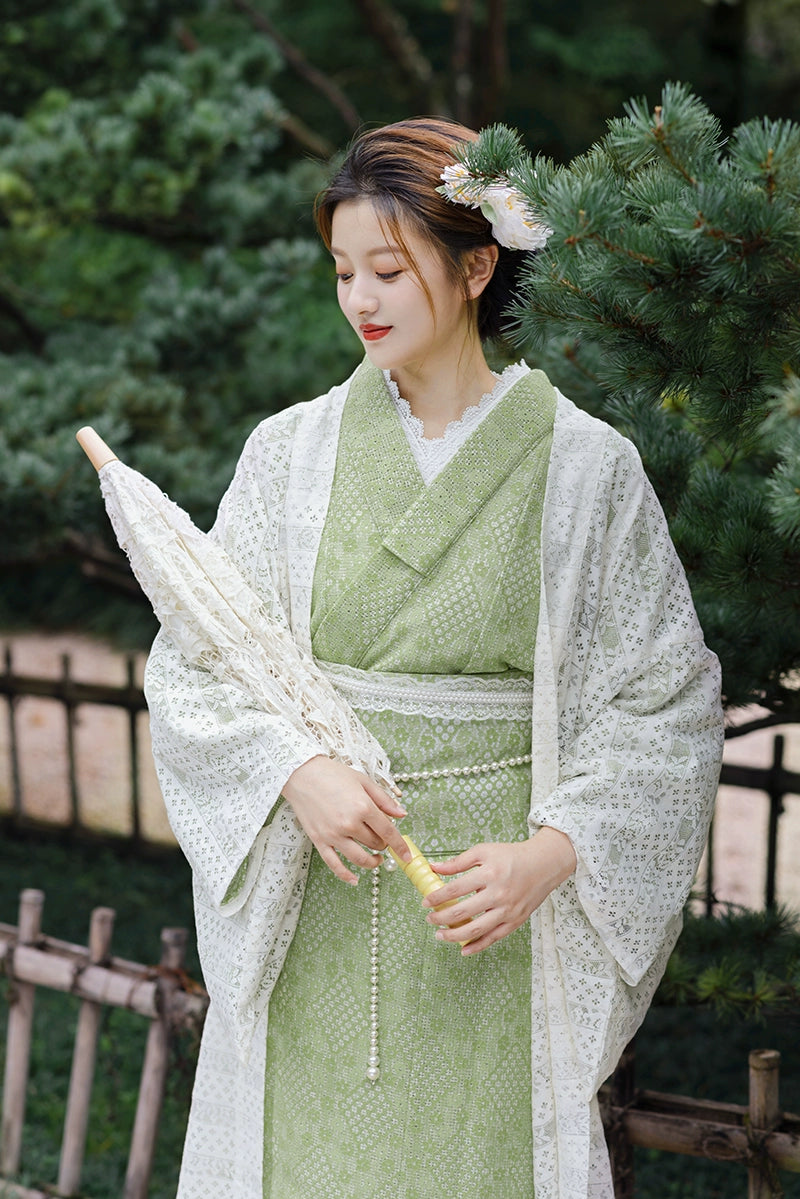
(371, 253)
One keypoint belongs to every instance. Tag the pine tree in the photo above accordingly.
(668, 302)
(157, 248)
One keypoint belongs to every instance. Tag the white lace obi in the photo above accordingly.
(462, 696)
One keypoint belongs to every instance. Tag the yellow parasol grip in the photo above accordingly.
(95, 449)
(423, 876)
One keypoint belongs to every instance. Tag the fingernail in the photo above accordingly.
(439, 935)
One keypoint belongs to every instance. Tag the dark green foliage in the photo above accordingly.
(668, 302)
(731, 985)
(690, 1051)
(741, 964)
(498, 155)
(159, 279)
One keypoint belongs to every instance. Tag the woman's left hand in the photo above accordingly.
(500, 884)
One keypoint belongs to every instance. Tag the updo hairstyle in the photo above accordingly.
(399, 168)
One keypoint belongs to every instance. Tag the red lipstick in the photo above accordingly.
(374, 332)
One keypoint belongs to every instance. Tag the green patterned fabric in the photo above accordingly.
(456, 594)
(442, 578)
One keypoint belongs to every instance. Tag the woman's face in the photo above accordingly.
(381, 295)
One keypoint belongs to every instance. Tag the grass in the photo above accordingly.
(679, 1050)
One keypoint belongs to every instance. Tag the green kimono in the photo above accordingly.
(419, 581)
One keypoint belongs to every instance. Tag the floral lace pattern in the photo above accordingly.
(220, 624)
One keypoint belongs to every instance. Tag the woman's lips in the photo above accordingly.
(374, 332)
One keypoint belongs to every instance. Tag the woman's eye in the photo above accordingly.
(384, 276)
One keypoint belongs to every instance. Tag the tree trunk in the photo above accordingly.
(497, 63)
(463, 82)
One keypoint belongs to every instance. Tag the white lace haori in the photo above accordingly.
(626, 741)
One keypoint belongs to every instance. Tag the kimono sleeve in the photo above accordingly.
(221, 760)
(639, 722)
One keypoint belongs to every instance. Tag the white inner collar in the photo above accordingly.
(432, 454)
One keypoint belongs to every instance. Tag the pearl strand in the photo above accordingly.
(419, 776)
(373, 1058)
(413, 776)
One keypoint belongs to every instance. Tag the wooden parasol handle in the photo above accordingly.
(94, 447)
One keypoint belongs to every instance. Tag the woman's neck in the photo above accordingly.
(438, 393)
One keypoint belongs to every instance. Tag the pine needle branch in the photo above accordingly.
(300, 64)
(659, 134)
(611, 246)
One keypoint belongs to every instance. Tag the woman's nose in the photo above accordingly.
(361, 297)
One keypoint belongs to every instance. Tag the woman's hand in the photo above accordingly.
(500, 885)
(344, 812)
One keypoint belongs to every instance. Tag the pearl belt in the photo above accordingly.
(419, 776)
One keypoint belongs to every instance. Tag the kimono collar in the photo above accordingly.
(419, 523)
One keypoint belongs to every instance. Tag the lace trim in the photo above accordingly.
(464, 697)
(432, 454)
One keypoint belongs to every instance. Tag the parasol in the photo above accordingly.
(220, 624)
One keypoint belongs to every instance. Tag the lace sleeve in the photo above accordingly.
(221, 763)
(221, 760)
(640, 727)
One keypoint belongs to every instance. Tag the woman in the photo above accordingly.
(484, 573)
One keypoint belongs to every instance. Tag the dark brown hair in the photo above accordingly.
(398, 168)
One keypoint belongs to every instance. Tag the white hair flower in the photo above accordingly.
(460, 186)
(513, 223)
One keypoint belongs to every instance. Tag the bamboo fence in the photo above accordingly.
(161, 995)
(759, 1136)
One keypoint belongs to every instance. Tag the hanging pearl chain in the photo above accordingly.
(373, 1059)
(413, 776)
(419, 776)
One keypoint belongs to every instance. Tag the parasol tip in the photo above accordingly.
(94, 447)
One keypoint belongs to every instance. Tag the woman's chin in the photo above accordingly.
(379, 354)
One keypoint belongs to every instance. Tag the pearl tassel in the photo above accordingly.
(424, 879)
(373, 1058)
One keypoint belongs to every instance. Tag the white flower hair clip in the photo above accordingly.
(506, 209)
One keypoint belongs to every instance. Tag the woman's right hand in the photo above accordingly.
(344, 812)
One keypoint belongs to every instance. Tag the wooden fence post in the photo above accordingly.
(18, 1053)
(72, 759)
(710, 898)
(13, 745)
(765, 1114)
(84, 1055)
(133, 743)
(154, 1070)
(622, 1094)
(776, 793)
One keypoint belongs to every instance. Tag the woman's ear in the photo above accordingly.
(480, 264)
